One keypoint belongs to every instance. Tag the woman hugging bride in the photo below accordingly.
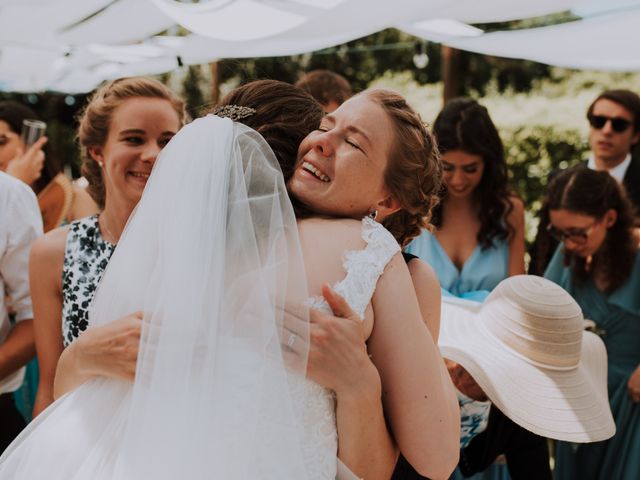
(224, 272)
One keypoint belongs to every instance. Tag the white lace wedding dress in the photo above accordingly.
(211, 256)
(363, 268)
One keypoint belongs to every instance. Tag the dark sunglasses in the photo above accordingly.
(618, 124)
(576, 236)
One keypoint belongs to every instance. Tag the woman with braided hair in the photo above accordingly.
(212, 397)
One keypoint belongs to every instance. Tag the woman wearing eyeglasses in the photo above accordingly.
(598, 263)
(614, 130)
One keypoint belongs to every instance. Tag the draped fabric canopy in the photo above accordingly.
(606, 42)
(73, 45)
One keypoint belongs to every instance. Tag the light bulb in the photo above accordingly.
(420, 60)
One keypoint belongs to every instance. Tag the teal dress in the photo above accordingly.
(25, 396)
(617, 316)
(482, 271)
(480, 274)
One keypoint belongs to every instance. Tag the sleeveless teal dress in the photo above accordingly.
(480, 274)
(617, 317)
(482, 271)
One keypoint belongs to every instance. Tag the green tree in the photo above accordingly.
(192, 91)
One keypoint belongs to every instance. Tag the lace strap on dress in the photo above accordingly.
(364, 267)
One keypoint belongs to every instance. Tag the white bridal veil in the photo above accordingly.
(210, 256)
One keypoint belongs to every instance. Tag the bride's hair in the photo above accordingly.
(284, 115)
(414, 171)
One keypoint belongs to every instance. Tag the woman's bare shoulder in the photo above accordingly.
(423, 272)
(345, 229)
(326, 222)
(50, 246)
(82, 204)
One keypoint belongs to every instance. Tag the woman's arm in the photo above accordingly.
(516, 240)
(418, 395)
(45, 279)
(633, 385)
(337, 359)
(428, 292)
(17, 349)
(109, 350)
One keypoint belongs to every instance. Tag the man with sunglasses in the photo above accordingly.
(614, 119)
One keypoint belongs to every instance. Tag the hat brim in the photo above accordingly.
(570, 405)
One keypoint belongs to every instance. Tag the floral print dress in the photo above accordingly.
(86, 256)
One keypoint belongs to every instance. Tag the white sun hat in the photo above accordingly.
(527, 348)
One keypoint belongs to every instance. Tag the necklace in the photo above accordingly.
(114, 240)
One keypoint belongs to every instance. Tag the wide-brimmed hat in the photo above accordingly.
(527, 348)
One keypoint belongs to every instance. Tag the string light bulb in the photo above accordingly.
(420, 57)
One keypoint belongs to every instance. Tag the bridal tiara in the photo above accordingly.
(234, 112)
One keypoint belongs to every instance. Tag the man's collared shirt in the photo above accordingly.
(20, 225)
(618, 172)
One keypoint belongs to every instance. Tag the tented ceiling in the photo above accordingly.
(73, 45)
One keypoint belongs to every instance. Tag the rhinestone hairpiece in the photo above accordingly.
(234, 112)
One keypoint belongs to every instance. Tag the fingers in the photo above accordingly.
(338, 304)
(294, 324)
(38, 144)
(27, 166)
(294, 361)
(135, 316)
(294, 334)
(293, 342)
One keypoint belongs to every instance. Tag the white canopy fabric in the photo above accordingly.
(606, 42)
(73, 45)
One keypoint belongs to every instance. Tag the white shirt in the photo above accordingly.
(20, 225)
(618, 172)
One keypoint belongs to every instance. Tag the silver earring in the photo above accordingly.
(373, 215)
(100, 164)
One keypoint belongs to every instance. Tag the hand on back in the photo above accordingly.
(111, 350)
(337, 356)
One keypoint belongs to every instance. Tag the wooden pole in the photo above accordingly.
(215, 82)
(450, 73)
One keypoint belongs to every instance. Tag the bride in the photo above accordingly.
(214, 258)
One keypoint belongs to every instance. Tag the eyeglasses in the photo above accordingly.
(618, 124)
(577, 236)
